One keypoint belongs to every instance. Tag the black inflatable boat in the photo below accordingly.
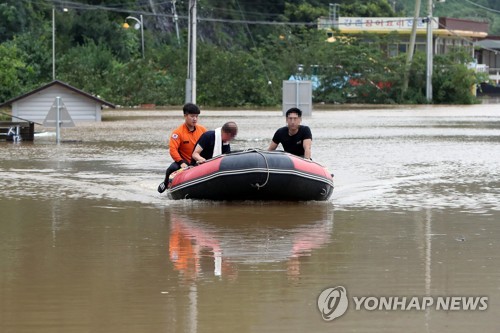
(254, 175)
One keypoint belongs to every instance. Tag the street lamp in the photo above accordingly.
(54, 41)
(138, 25)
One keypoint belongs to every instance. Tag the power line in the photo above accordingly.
(483, 7)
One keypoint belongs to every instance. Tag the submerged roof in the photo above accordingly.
(62, 84)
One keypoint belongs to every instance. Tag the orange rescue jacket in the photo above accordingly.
(182, 142)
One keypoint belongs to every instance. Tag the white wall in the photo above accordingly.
(36, 106)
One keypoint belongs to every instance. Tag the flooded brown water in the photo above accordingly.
(88, 245)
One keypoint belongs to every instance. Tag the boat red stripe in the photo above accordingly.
(198, 171)
(310, 167)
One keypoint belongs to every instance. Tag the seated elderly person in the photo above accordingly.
(214, 143)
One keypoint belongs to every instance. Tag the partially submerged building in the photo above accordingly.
(488, 53)
(35, 105)
(447, 34)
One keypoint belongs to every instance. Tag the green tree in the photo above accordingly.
(159, 79)
(140, 82)
(87, 67)
(14, 73)
(231, 79)
(18, 17)
(37, 54)
(452, 81)
(304, 12)
(416, 92)
(367, 8)
(238, 63)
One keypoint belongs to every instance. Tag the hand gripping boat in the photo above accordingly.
(253, 175)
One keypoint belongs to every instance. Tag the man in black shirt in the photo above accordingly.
(213, 143)
(295, 138)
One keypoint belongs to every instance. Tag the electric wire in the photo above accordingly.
(483, 7)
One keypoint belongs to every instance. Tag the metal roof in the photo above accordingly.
(489, 43)
(60, 83)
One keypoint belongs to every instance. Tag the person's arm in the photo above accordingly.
(272, 146)
(275, 141)
(306, 143)
(196, 155)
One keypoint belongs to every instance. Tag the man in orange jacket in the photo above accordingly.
(182, 141)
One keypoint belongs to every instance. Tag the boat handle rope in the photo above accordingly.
(257, 185)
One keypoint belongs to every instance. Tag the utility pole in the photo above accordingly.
(53, 43)
(429, 53)
(54, 40)
(142, 36)
(176, 21)
(191, 76)
(411, 50)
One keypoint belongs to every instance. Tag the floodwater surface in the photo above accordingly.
(87, 244)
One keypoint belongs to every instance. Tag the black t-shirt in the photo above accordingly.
(293, 144)
(207, 142)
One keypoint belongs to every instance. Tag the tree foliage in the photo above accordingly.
(238, 63)
(15, 74)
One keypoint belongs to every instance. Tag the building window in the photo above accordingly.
(393, 50)
(402, 48)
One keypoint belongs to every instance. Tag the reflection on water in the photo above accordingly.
(232, 237)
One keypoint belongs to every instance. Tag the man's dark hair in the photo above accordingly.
(231, 128)
(294, 110)
(190, 108)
